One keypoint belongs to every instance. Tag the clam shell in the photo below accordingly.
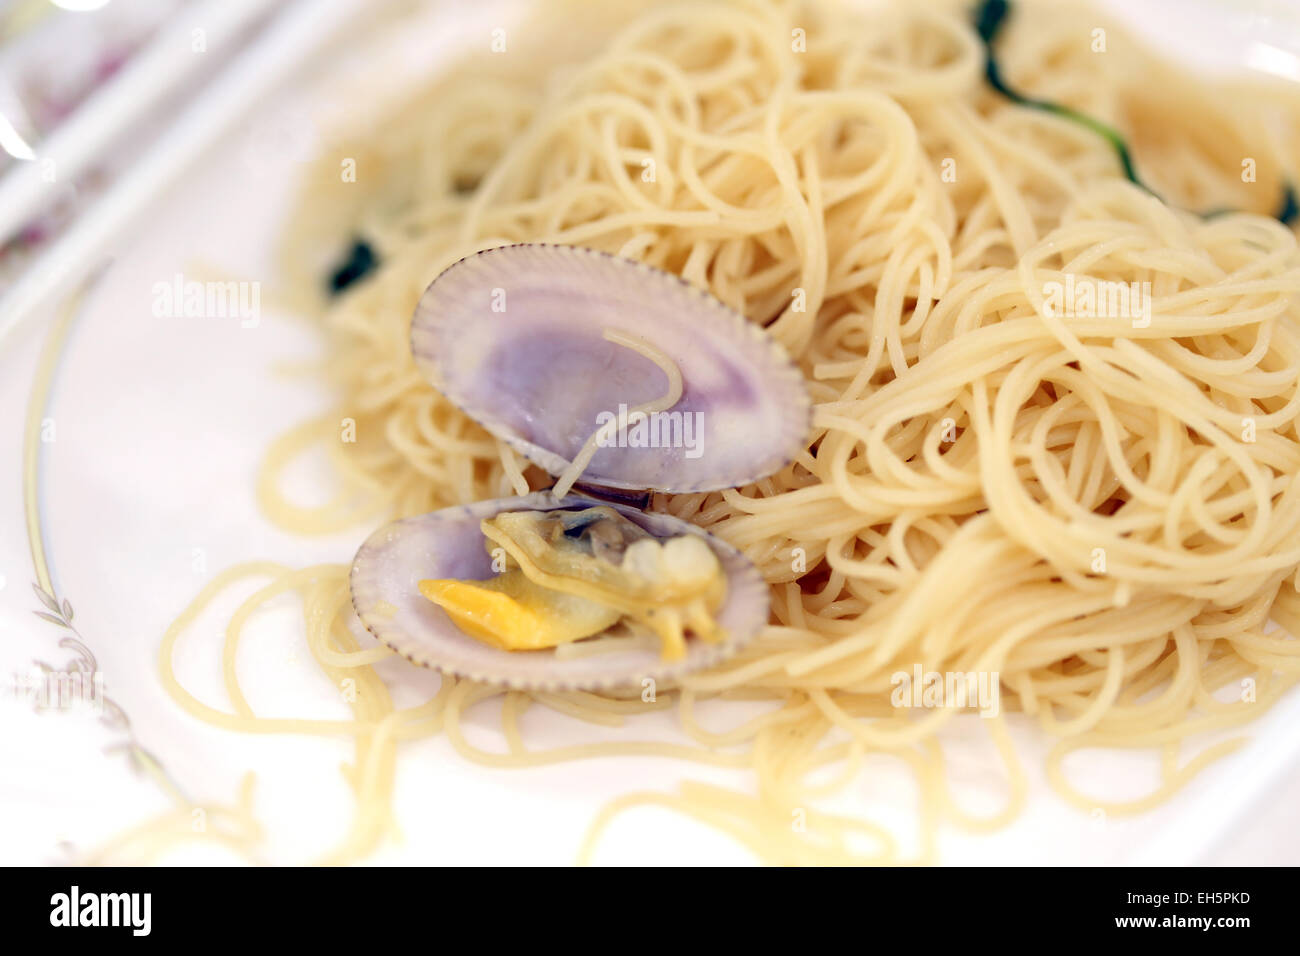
(515, 337)
(448, 543)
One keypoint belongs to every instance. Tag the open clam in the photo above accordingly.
(584, 363)
(449, 544)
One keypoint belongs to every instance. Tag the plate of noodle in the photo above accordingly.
(1039, 283)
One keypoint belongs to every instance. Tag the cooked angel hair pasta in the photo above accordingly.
(1098, 508)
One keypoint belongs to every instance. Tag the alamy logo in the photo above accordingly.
(61, 690)
(102, 909)
(956, 689)
(1088, 298)
(190, 299)
(624, 429)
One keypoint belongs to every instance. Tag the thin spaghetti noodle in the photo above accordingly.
(671, 372)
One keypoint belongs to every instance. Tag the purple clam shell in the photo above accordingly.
(448, 543)
(515, 337)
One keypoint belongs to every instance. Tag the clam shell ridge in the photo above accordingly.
(448, 543)
(515, 337)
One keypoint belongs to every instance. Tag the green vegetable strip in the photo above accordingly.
(989, 18)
